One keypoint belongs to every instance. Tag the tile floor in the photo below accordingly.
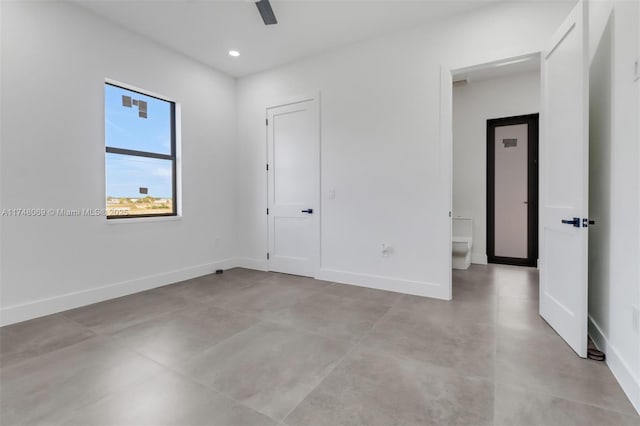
(256, 348)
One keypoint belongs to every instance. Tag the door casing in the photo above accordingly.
(315, 98)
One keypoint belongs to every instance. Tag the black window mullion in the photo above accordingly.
(113, 150)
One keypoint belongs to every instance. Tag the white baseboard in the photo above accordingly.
(479, 259)
(399, 285)
(618, 366)
(251, 263)
(52, 305)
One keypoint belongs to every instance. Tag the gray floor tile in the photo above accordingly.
(243, 274)
(374, 388)
(456, 311)
(474, 285)
(330, 315)
(470, 348)
(116, 314)
(46, 389)
(545, 363)
(363, 293)
(305, 283)
(521, 314)
(25, 340)
(196, 352)
(268, 367)
(178, 336)
(204, 289)
(516, 282)
(266, 296)
(167, 399)
(516, 406)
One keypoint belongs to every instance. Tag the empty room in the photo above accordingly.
(320, 212)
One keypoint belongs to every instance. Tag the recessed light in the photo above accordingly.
(234, 53)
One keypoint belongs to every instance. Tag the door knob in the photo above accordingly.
(310, 211)
(575, 222)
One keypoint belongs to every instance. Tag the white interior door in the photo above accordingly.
(293, 169)
(564, 186)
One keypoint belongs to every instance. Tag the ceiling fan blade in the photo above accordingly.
(264, 7)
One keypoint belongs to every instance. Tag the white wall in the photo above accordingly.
(55, 58)
(380, 143)
(473, 105)
(614, 277)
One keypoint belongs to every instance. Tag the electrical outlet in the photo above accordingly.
(636, 72)
(635, 318)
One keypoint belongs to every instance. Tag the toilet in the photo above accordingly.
(462, 242)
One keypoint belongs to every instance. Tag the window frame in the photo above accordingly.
(173, 156)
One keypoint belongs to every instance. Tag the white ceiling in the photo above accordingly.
(206, 30)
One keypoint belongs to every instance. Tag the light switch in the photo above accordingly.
(332, 194)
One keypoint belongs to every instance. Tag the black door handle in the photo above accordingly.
(310, 211)
(575, 222)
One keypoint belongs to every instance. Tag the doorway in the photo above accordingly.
(563, 170)
(293, 187)
(512, 190)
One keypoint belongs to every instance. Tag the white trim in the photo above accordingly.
(290, 100)
(141, 219)
(447, 71)
(178, 161)
(618, 366)
(492, 60)
(52, 305)
(251, 263)
(398, 285)
(139, 90)
(315, 98)
(446, 158)
(178, 129)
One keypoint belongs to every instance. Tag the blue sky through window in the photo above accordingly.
(125, 129)
(126, 174)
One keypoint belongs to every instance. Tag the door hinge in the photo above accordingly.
(267, 167)
(267, 256)
(266, 121)
(267, 211)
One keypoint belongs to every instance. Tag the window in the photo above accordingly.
(140, 141)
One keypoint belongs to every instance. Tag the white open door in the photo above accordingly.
(293, 151)
(564, 188)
